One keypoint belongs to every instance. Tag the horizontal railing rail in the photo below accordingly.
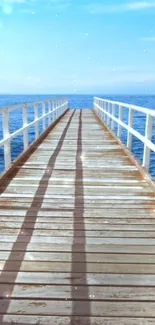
(106, 110)
(51, 109)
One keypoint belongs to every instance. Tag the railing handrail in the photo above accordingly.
(28, 104)
(107, 108)
(134, 107)
(17, 132)
(56, 107)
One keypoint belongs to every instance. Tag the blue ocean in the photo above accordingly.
(76, 101)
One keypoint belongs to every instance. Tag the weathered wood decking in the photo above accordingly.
(77, 232)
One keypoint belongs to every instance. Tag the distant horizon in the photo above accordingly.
(78, 94)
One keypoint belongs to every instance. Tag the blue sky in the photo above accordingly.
(77, 46)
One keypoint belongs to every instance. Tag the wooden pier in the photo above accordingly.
(77, 230)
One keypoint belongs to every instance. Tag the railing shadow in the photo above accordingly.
(25, 234)
(79, 215)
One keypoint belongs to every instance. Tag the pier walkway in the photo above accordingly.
(77, 230)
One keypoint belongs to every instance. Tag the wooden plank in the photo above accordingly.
(79, 233)
(92, 223)
(78, 240)
(64, 320)
(87, 213)
(101, 176)
(106, 185)
(70, 190)
(77, 257)
(101, 182)
(62, 308)
(94, 248)
(78, 279)
(79, 292)
(102, 214)
(88, 198)
(69, 225)
(113, 268)
(65, 204)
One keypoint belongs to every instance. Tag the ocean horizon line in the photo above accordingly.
(76, 94)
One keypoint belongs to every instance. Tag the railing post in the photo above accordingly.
(98, 103)
(63, 108)
(6, 133)
(43, 113)
(52, 110)
(130, 122)
(56, 105)
(108, 110)
(105, 108)
(108, 118)
(95, 105)
(36, 124)
(102, 113)
(49, 110)
(25, 133)
(57, 111)
(113, 114)
(66, 106)
(99, 112)
(101, 108)
(120, 118)
(60, 110)
(148, 136)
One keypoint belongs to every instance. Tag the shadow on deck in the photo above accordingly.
(25, 235)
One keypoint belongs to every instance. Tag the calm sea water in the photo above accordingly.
(76, 101)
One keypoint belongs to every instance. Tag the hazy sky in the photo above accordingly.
(81, 46)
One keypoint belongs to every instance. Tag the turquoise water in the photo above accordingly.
(76, 101)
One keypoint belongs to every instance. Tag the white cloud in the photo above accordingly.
(148, 39)
(50, 4)
(99, 8)
(140, 5)
(126, 69)
(58, 5)
(135, 78)
(27, 11)
(10, 2)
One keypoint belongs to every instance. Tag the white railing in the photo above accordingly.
(106, 110)
(54, 107)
